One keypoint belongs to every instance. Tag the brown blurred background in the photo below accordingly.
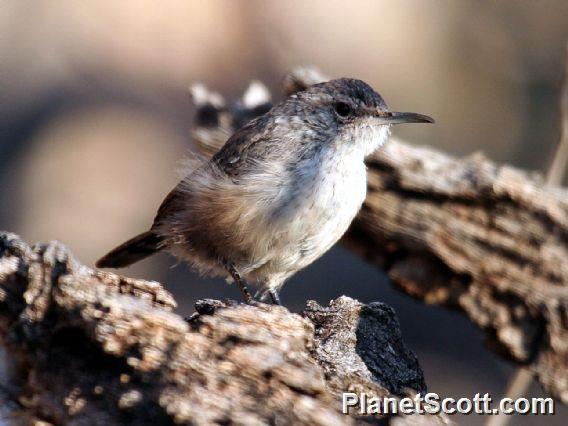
(95, 115)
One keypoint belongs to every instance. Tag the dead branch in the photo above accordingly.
(487, 239)
(91, 347)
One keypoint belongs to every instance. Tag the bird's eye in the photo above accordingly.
(342, 109)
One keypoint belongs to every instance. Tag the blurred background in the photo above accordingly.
(95, 115)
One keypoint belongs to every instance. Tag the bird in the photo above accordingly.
(279, 193)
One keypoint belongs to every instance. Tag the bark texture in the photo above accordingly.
(487, 239)
(89, 347)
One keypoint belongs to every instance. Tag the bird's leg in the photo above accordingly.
(240, 283)
(274, 296)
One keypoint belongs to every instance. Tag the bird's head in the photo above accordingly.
(350, 112)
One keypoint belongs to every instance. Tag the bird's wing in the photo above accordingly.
(249, 146)
(245, 153)
(169, 205)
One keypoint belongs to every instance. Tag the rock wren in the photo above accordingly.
(280, 192)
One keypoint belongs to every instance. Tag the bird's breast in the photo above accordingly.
(327, 195)
(338, 193)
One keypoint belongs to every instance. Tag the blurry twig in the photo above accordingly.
(516, 388)
(557, 168)
(523, 376)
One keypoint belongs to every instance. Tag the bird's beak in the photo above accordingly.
(403, 117)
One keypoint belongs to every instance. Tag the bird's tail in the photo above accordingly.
(132, 251)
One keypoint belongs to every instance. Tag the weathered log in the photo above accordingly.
(487, 239)
(92, 347)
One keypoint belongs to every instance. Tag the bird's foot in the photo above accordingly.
(249, 300)
(275, 297)
(272, 294)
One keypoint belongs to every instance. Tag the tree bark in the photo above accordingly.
(84, 346)
(489, 240)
